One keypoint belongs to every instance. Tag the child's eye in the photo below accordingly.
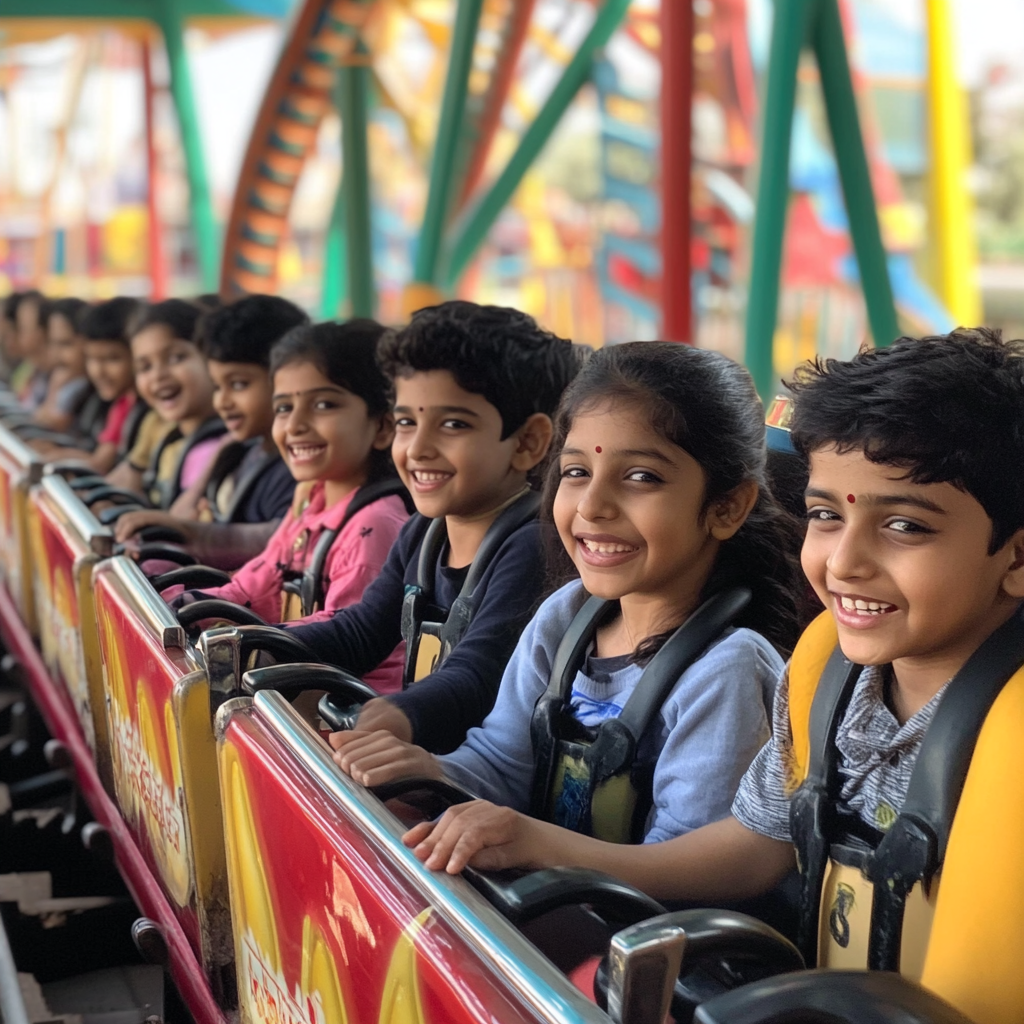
(404, 423)
(574, 473)
(324, 405)
(644, 476)
(282, 409)
(239, 385)
(822, 515)
(455, 424)
(906, 526)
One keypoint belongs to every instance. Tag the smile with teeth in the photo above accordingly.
(304, 452)
(604, 548)
(427, 476)
(862, 607)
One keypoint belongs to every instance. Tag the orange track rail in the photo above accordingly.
(323, 36)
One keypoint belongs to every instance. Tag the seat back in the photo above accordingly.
(369, 934)
(20, 468)
(163, 758)
(67, 542)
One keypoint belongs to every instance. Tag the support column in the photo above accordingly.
(353, 99)
(472, 230)
(854, 172)
(453, 107)
(676, 160)
(333, 290)
(789, 31)
(157, 265)
(203, 223)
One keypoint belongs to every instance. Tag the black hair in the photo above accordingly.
(499, 353)
(41, 303)
(208, 301)
(707, 405)
(179, 316)
(948, 408)
(246, 330)
(345, 354)
(71, 309)
(110, 320)
(10, 307)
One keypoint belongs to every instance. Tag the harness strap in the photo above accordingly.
(613, 749)
(914, 848)
(417, 594)
(544, 722)
(170, 489)
(311, 587)
(517, 515)
(810, 810)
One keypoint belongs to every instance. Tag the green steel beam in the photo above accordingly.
(449, 132)
(472, 228)
(789, 31)
(854, 172)
(128, 9)
(203, 222)
(353, 99)
(335, 272)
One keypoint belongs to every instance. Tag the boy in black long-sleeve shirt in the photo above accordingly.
(475, 389)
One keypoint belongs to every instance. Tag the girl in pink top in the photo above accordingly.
(333, 425)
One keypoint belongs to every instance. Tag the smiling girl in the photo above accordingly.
(659, 501)
(333, 426)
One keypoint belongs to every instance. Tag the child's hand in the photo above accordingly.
(373, 758)
(131, 522)
(478, 833)
(380, 713)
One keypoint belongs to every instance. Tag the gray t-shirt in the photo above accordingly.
(713, 723)
(876, 758)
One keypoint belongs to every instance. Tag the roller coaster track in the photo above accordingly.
(323, 37)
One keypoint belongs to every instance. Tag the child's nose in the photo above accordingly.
(596, 503)
(849, 557)
(422, 446)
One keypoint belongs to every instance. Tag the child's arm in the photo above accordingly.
(445, 705)
(721, 861)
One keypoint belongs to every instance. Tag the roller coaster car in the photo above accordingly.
(370, 928)
(20, 469)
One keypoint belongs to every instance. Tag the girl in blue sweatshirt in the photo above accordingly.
(659, 499)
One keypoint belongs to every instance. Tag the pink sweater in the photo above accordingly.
(353, 563)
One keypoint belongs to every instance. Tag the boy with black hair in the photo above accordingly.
(896, 755)
(475, 390)
(248, 488)
(29, 380)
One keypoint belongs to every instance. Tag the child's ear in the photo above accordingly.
(385, 431)
(533, 439)
(730, 512)
(1013, 580)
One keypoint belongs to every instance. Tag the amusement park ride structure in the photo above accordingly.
(334, 53)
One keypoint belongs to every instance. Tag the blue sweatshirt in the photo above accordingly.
(444, 705)
(715, 720)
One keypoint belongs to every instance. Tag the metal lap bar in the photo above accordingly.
(529, 973)
(99, 539)
(149, 604)
(12, 1005)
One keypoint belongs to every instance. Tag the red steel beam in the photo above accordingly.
(676, 127)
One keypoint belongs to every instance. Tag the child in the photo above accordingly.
(68, 388)
(171, 377)
(252, 485)
(475, 387)
(660, 503)
(333, 427)
(30, 379)
(915, 545)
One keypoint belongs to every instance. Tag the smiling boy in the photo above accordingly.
(915, 545)
(475, 389)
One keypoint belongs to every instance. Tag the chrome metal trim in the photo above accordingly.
(12, 1005)
(99, 539)
(643, 964)
(525, 969)
(24, 456)
(226, 712)
(158, 616)
(221, 649)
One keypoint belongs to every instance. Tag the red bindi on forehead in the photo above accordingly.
(851, 499)
(598, 449)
